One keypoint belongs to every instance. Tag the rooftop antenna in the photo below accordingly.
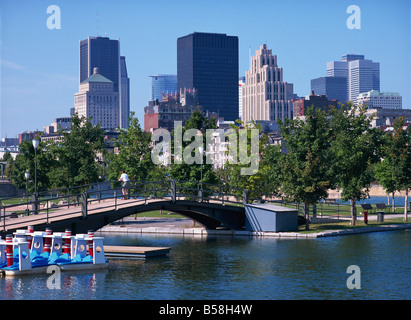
(97, 23)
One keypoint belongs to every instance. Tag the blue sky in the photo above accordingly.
(40, 67)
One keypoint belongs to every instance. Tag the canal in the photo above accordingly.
(225, 267)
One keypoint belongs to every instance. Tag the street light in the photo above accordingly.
(27, 175)
(201, 149)
(35, 145)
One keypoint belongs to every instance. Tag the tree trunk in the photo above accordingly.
(306, 212)
(353, 212)
(393, 202)
(406, 206)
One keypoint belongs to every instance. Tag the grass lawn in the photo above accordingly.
(319, 227)
(159, 214)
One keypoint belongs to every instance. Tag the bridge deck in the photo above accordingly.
(61, 213)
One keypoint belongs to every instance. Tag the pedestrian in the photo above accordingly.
(126, 184)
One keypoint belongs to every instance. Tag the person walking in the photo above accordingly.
(126, 184)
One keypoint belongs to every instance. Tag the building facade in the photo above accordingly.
(104, 53)
(124, 94)
(98, 99)
(208, 62)
(318, 101)
(265, 95)
(162, 83)
(61, 123)
(241, 82)
(172, 107)
(335, 88)
(384, 118)
(362, 75)
(385, 100)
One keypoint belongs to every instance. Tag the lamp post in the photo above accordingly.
(35, 145)
(27, 175)
(201, 149)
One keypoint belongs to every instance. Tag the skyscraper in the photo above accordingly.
(124, 94)
(332, 87)
(208, 62)
(104, 53)
(160, 83)
(241, 82)
(362, 75)
(266, 96)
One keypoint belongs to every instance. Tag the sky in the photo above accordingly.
(39, 67)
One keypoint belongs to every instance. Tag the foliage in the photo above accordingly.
(394, 170)
(196, 173)
(354, 150)
(25, 160)
(77, 155)
(7, 157)
(133, 154)
(254, 181)
(305, 168)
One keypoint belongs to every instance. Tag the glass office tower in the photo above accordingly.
(124, 94)
(362, 75)
(160, 83)
(332, 87)
(104, 53)
(208, 62)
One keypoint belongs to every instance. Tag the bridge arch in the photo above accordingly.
(209, 207)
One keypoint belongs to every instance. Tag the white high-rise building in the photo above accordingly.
(97, 99)
(362, 75)
(265, 94)
(241, 82)
(384, 100)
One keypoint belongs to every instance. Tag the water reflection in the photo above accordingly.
(238, 268)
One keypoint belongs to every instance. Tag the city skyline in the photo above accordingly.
(39, 76)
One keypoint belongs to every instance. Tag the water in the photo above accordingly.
(398, 201)
(238, 268)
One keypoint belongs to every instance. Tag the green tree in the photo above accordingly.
(77, 155)
(305, 168)
(133, 154)
(25, 160)
(250, 174)
(197, 172)
(271, 169)
(385, 176)
(355, 151)
(7, 157)
(394, 171)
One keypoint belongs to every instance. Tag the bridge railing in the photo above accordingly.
(78, 199)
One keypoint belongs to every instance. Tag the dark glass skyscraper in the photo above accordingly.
(208, 62)
(103, 53)
(332, 87)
